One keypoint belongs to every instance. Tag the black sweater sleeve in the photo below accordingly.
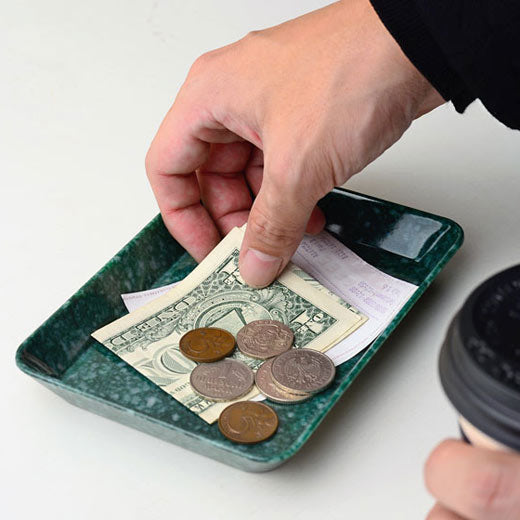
(467, 49)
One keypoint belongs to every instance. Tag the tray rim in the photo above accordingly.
(300, 441)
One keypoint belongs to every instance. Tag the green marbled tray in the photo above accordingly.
(403, 242)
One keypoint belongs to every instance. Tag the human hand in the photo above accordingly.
(473, 483)
(286, 114)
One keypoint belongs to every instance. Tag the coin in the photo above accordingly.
(303, 370)
(266, 385)
(263, 339)
(222, 381)
(248, 422)
(206, 345)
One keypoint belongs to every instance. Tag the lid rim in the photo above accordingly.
(467, 331)
(475, 397)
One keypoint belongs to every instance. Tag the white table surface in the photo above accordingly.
(83, 88)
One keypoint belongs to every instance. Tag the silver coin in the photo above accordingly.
(266, 385)
(263, 339)
(303, 370)
(222, 381)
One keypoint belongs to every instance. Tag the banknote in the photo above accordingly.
(371, 291)
(214, 295)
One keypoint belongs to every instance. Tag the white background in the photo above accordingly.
(83, 88)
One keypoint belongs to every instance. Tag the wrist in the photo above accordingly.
(422, 94)
(403, 19)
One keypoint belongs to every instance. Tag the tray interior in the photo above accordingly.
(403, 242)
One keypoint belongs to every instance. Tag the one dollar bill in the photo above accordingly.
(214, 295)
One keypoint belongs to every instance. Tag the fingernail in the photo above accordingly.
(259, 269)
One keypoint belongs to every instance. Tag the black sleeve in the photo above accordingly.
(467, 49)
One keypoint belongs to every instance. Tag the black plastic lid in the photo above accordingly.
(479, 362)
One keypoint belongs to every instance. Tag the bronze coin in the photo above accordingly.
(248, 422)
(207, 344)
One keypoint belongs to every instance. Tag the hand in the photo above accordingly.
(473, 483)
(284, 114)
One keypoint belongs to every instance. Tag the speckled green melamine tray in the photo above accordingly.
(403, 242)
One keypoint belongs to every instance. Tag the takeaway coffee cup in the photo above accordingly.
(479, 363)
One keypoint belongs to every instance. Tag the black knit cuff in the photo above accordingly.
(405, 24)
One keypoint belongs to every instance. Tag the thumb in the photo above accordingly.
(275, 227)
(475, 482)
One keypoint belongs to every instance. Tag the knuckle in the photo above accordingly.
(308, 170)
(252, 35)
(270, 234)
(437, 459)
(201, 63)
(286, 179)
(437, 513)
(148, 162)
(153, 161)
(290, 176)
(488, 490)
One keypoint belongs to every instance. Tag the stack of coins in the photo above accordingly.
(295, 376)
(287, 375)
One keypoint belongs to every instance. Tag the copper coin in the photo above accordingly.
(266, 385)
(263, 339)
(303, 370)
(248, 422)
(224, 380)
(207, 344)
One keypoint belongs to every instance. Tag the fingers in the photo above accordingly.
(224, 191)
(181, 146)
(178, 197)
(476, 483)
(275, 228)
(174, 155)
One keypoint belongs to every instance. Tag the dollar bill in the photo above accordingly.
(214, 295)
